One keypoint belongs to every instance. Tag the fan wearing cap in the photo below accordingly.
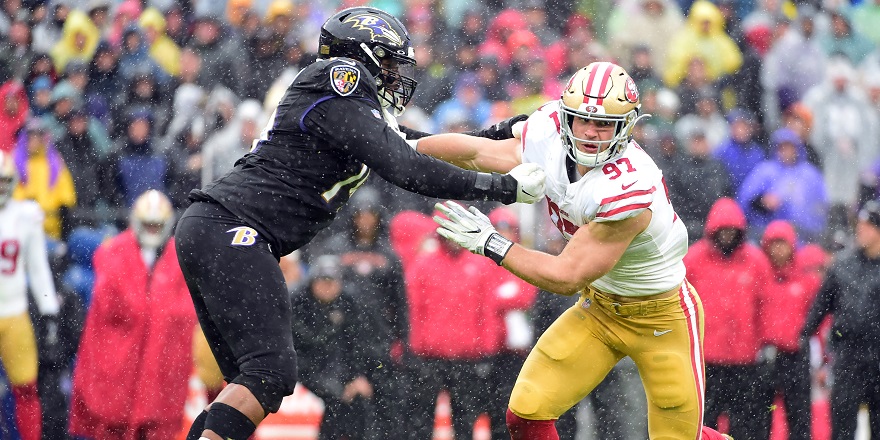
(24, 265)
(850, 292)
(135, 356)
(328, 322)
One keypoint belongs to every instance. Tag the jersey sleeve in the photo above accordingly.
(37, 263)
(541, 126)
(352, 125)
(620, 199)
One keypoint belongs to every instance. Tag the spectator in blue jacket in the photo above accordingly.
(786, 187)
(739, 153)
(468, 98)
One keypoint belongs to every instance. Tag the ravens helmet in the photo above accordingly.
(380, 41)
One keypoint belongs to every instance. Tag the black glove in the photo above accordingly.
(501, 130)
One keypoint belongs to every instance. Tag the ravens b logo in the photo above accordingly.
(244, 236)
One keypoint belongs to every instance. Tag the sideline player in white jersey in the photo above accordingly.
(23, 261)
(623, 257)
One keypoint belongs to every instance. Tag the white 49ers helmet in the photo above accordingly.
(8, 177)
(603, 92)
(152, 219)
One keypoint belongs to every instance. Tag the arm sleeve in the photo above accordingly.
(413, 134)
(39, 273)
(374, 143)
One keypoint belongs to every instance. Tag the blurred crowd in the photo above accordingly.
(765, 121)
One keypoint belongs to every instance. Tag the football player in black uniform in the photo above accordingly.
(333, 126)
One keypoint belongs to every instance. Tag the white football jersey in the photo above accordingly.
(23, 260)
(617, 190)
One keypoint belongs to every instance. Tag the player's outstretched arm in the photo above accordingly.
(373, 142)
(473, 153)
(592, 252)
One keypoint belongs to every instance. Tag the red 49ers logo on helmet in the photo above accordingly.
(631, 92)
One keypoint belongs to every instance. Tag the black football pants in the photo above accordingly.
(241, 301)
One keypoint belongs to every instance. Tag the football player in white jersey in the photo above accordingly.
(24, 264)
(623, 257)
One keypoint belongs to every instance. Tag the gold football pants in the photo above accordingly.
(206, 366)
(663, 337)
(18, 349)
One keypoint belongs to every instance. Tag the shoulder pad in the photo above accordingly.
(619, 199)
(542, 125)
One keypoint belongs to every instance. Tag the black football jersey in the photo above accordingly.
(323, 139)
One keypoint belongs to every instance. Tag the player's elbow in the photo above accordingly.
(575, 281)
(571, 285)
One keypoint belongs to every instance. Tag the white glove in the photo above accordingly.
(472, 230)
(517, 129)
(530, 180)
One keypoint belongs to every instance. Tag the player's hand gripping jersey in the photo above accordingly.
(319, 146)
(614, 191)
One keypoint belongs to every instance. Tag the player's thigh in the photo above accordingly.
(568, 361)
(18, 349)
(667, 349)
(238, 290)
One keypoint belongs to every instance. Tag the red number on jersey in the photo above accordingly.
(562, 224)
(555, 117)
(611, 168)
(9, 252)
(625, 161)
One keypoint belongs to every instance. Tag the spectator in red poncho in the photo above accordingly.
(447, 291)
(508, 333)
(578, 33)
(411, 234)
(135, 356)
(732, 276)
(790, 292)
(13, 114)
(508, 22)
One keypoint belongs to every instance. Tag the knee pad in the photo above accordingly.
(270, 383)
(669, 381)
(524, 429)
(228, 422)
(525, 398)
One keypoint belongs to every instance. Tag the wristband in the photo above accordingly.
(497, 247)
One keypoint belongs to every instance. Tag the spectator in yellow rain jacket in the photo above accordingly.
(163, 50)
(703, 37)
(79, 39)
(43, 177)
